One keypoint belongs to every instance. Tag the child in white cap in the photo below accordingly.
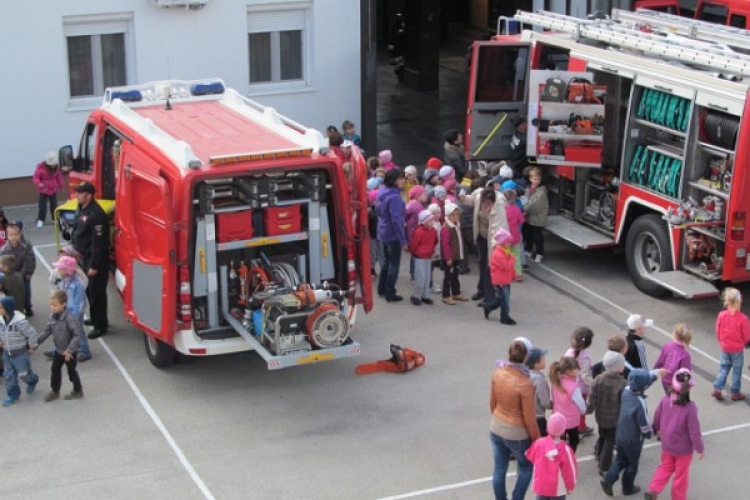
(421, 247)
(451, 253)
(555, 463)
(637, 326)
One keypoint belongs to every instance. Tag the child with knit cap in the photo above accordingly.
(451, 253)
(17, 339)
(604, 402)
(410, 180)
(421, 246)
(515, 217)
(376, 249)
(434, 209)
(555, 464)
(386, 160)
(675, 355)
(676, 423)
(502, 274)
(633, 427)
(536, 362)
(440, 198)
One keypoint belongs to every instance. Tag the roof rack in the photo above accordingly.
(691, 28)
(124, 102)
(676, 48)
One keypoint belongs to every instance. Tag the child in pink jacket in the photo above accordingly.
(502, 273)
(555, 464)
(48, 182)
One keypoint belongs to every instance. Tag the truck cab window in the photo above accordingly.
(86, 149)
(501, 74)
(110, 157)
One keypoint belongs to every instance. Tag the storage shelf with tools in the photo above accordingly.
(571, 133)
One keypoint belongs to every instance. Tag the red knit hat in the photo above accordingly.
(435, 163)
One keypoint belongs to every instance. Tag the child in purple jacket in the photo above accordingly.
(675, 355)
(676, 423)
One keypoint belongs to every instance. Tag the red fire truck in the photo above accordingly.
(638, 126)
(234, 228)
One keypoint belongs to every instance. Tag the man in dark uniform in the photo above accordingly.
(91, 241)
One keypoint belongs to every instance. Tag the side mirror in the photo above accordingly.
(66, 158)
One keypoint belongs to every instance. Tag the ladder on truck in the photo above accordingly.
(690, 28)
(707, 54)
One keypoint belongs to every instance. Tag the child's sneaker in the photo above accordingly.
(519, 278)
(9, 401)
(461, 298)
(74, 395)
(427, 301)
(449, 301)
(51, 396)
(31, 387)
(738, 396)
(437, 290)
(39, 224)
(717, 395)
(538, 259)
(416, 301)
(650, 495)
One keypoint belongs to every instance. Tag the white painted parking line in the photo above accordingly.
(625, 311)
(149, 409)
(473, 482)
(586, 458)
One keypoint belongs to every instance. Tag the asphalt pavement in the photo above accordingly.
(226, 428)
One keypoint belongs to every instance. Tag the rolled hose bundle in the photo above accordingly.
(719, 128)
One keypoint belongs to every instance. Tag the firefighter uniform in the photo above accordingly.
(90, 237)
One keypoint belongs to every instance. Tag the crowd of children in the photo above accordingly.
(616, 396)
(452, 196)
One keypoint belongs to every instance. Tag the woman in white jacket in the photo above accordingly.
(489, 216)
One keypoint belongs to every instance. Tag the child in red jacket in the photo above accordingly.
(553, 460)
(503, 273)
(422, 247)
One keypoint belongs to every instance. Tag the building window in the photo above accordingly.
(278, 44)
(99, 53)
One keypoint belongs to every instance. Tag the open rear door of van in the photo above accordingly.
(361, 230)
(145, 250)
(497, 94)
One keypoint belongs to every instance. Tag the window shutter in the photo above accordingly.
(260, 22)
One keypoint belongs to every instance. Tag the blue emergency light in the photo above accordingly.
(125, 95)
(214, 88)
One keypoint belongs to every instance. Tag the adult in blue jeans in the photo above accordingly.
(391, 211)
(513, 425)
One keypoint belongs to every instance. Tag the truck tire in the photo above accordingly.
(647, 250)
(160, 354)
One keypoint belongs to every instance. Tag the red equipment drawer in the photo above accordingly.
(583, 153)
(283, 220)
(233, 226)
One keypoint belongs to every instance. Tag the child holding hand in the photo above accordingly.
(676, 423)
(555, 464)
(675, 355)
(502, 273)
(65, 331)
(421, 247)
(566, 396)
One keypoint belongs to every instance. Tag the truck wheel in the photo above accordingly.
(647, 251)
(160, 354)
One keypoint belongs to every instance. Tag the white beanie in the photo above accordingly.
(411, 169)
(506, 172)
(445, 171)
(613, 360)
(450, 208)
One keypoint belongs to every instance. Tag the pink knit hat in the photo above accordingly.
(385, 156)
(416, 192)
(556, 424)
(67, 263)
(502, 237)
(373, 195)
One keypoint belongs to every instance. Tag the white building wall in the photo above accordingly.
(37, 115)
